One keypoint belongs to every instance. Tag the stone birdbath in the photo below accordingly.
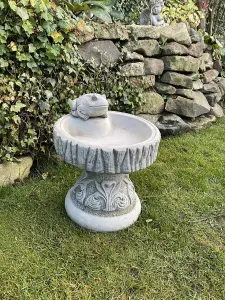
(107, 146)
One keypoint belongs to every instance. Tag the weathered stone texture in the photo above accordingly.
(164, 88)
(181, 63)
(217, 111)
(143, 31)
(213, 98)
(145, 47)
(196, 50)
(177, 33)
(187, 107)
(133, 56)
(154, 103)
(111, 32)
(170, 124)
(210, 75)
(201, 122)
(196, 36)
(153, 66)
(197, 85)
(210, 87)
(206, 62)
(186, 93)
(100, 52)
(132, 69)
(145, 82)
(12, 171)
(174, 48)
(177, 79)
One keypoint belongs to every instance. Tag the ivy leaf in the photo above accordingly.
(57, 36)
(102, 14)
(24, 2)
(3, 36)
(46, 16)
(22, 12)
(17, 107)
(31, 48)
(12, 5)
(3, 63)
(28, 27)
(32, 65)
(48, 94)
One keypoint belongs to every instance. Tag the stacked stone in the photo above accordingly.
(169, 63)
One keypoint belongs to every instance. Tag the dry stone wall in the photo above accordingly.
(183, 89)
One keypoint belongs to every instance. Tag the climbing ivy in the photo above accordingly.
(41, 70)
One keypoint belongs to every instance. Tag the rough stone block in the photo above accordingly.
(196, 50)
(197, 85)
(145, 82)
(217, 111)
(100, 52)
(84, 33)
(111, 32)
(177, 79)
(210, 87)
(187, 107)
(201, 122)
(153, 66)
(196, 36)
(206, 62)
(154, 103)
(145, 47)
(170, 124)
(132, 69)
(133, 56)
(176, 33)
(190, 94)
(164, 88)
(143, 31)
(213, 98)
(210, 75)
(174, 48)
(221, 85)
(12, 171)
(181, 63)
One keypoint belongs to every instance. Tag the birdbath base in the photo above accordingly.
(103, 202)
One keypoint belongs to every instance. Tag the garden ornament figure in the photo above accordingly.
(90, 105)
(152, 15)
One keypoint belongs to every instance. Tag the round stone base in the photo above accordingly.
(103, 202)
(99, 223)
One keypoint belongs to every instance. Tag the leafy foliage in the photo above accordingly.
(131, 10)
(182, 11)
(101, 9)
(223, 61)
(40, 71)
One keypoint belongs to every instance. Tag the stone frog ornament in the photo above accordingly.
(90, 106)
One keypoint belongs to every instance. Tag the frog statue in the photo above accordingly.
(152, 15)
(89, 106)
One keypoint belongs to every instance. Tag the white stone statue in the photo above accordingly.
(90, 105)
(152, 15)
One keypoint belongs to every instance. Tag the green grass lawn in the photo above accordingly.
(176, 250)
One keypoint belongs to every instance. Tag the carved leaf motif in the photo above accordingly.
(121, 201)
(95, 202)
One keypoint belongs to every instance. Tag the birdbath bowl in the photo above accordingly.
(107, 149)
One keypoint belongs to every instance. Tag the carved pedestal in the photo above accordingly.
(103, 202)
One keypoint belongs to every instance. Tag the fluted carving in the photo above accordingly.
(101, 161)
